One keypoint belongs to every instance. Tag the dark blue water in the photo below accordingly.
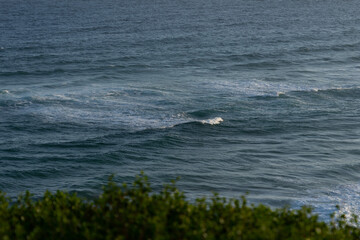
(233, 96)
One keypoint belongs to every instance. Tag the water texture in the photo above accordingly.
(233, 96)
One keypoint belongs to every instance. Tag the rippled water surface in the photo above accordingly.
(233, 96)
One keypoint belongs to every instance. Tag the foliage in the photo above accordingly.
(135, 212)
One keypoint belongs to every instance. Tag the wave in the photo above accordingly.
(259, 88)
(333, 93)
(75, 109)
(81, 68)
(262, 88)
(35, 73)
(212, 121)
(278, 94)
(4, 91)
(326, 48)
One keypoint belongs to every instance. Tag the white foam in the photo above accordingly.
(5, 92)
(257, 87)
(63, 97)
(179, 121)
(212, 121)
(95, 107)
(280, 93)
(345, 196)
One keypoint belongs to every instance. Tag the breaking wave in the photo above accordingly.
(212, 121)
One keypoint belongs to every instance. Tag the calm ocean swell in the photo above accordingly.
(232, 96)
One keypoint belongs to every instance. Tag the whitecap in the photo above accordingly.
(212, 121)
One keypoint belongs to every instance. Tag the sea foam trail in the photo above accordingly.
(258, 88)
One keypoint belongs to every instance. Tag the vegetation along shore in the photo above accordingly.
(136, 212)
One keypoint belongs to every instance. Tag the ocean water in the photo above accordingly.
(234, 96)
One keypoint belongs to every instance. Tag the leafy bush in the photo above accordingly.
(123, 212)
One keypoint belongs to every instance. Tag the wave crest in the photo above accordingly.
(212, 121)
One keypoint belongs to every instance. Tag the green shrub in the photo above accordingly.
(135, 212)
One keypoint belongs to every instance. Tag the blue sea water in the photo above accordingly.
(233, 96)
